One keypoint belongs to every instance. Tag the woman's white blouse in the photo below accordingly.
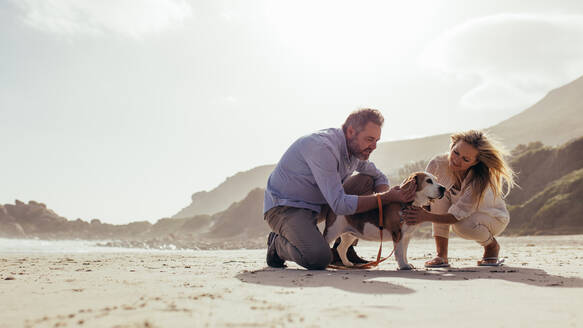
(462, 204)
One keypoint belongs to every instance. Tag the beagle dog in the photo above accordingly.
(366, 225)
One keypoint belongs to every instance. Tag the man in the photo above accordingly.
(310, 175)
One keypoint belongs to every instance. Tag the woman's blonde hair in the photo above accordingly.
(491, 169)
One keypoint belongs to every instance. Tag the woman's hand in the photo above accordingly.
(414, 215)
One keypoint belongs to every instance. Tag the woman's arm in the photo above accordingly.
(415, 215)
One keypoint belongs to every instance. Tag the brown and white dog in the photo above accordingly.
(366, 225)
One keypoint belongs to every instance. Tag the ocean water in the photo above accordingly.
(62, 246)
(32, 246)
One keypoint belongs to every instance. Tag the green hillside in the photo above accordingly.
(537, 166)
(557, 209)
(548, 200)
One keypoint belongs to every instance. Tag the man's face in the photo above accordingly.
(361, 144)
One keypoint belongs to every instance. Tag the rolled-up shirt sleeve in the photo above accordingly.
(324, 167)
(368, 168)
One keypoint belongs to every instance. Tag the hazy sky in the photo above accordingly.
(121, 109)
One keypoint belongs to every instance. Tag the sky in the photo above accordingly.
(121, 109)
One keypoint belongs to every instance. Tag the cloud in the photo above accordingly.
(129, 18)
(517, 58)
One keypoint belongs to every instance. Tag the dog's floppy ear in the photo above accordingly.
(409, 178)
(415, 176)
(419, 177)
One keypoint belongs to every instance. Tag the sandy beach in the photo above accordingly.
(541, 285)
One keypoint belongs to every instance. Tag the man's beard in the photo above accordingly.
(354, 150)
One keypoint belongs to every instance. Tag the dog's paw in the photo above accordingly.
(347, 263)
(407, 267)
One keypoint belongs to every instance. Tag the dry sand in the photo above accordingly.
(541, 285)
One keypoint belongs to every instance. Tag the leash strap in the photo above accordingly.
(381, 228)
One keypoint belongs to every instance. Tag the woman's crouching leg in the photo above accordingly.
(480, 227)
(440, 230)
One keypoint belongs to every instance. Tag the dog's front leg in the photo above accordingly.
(402, 246)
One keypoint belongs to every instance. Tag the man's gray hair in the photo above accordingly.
(360, 117)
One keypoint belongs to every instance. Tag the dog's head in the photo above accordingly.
(427, 188)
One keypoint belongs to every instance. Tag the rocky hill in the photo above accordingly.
(241, 225)
(232, 190)
(556, 209)
(35, 220)
(554, 120)
(549, 198)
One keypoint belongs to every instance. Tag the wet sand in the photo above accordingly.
(541, 285)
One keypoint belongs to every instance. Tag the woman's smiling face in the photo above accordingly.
(462, 156)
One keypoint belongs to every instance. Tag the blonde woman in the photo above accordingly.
(475, 175)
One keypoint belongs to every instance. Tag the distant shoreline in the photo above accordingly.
(15, 245)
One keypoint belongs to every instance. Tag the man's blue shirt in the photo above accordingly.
(311, 172)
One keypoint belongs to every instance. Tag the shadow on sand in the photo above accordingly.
(363, 281)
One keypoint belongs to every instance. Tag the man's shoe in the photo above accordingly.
(350, 254)
(272, 259)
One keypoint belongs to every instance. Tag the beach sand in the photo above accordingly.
(541, 285)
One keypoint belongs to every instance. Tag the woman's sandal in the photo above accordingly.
(437, 262)
(484, 261)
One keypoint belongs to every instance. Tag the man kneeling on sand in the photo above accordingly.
(310, 177)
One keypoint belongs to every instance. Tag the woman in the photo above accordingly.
(474, 173)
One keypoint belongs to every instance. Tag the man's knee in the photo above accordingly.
(318, 259)
(366, 180)
(359, 184)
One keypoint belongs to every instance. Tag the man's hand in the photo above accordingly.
(403, 194)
